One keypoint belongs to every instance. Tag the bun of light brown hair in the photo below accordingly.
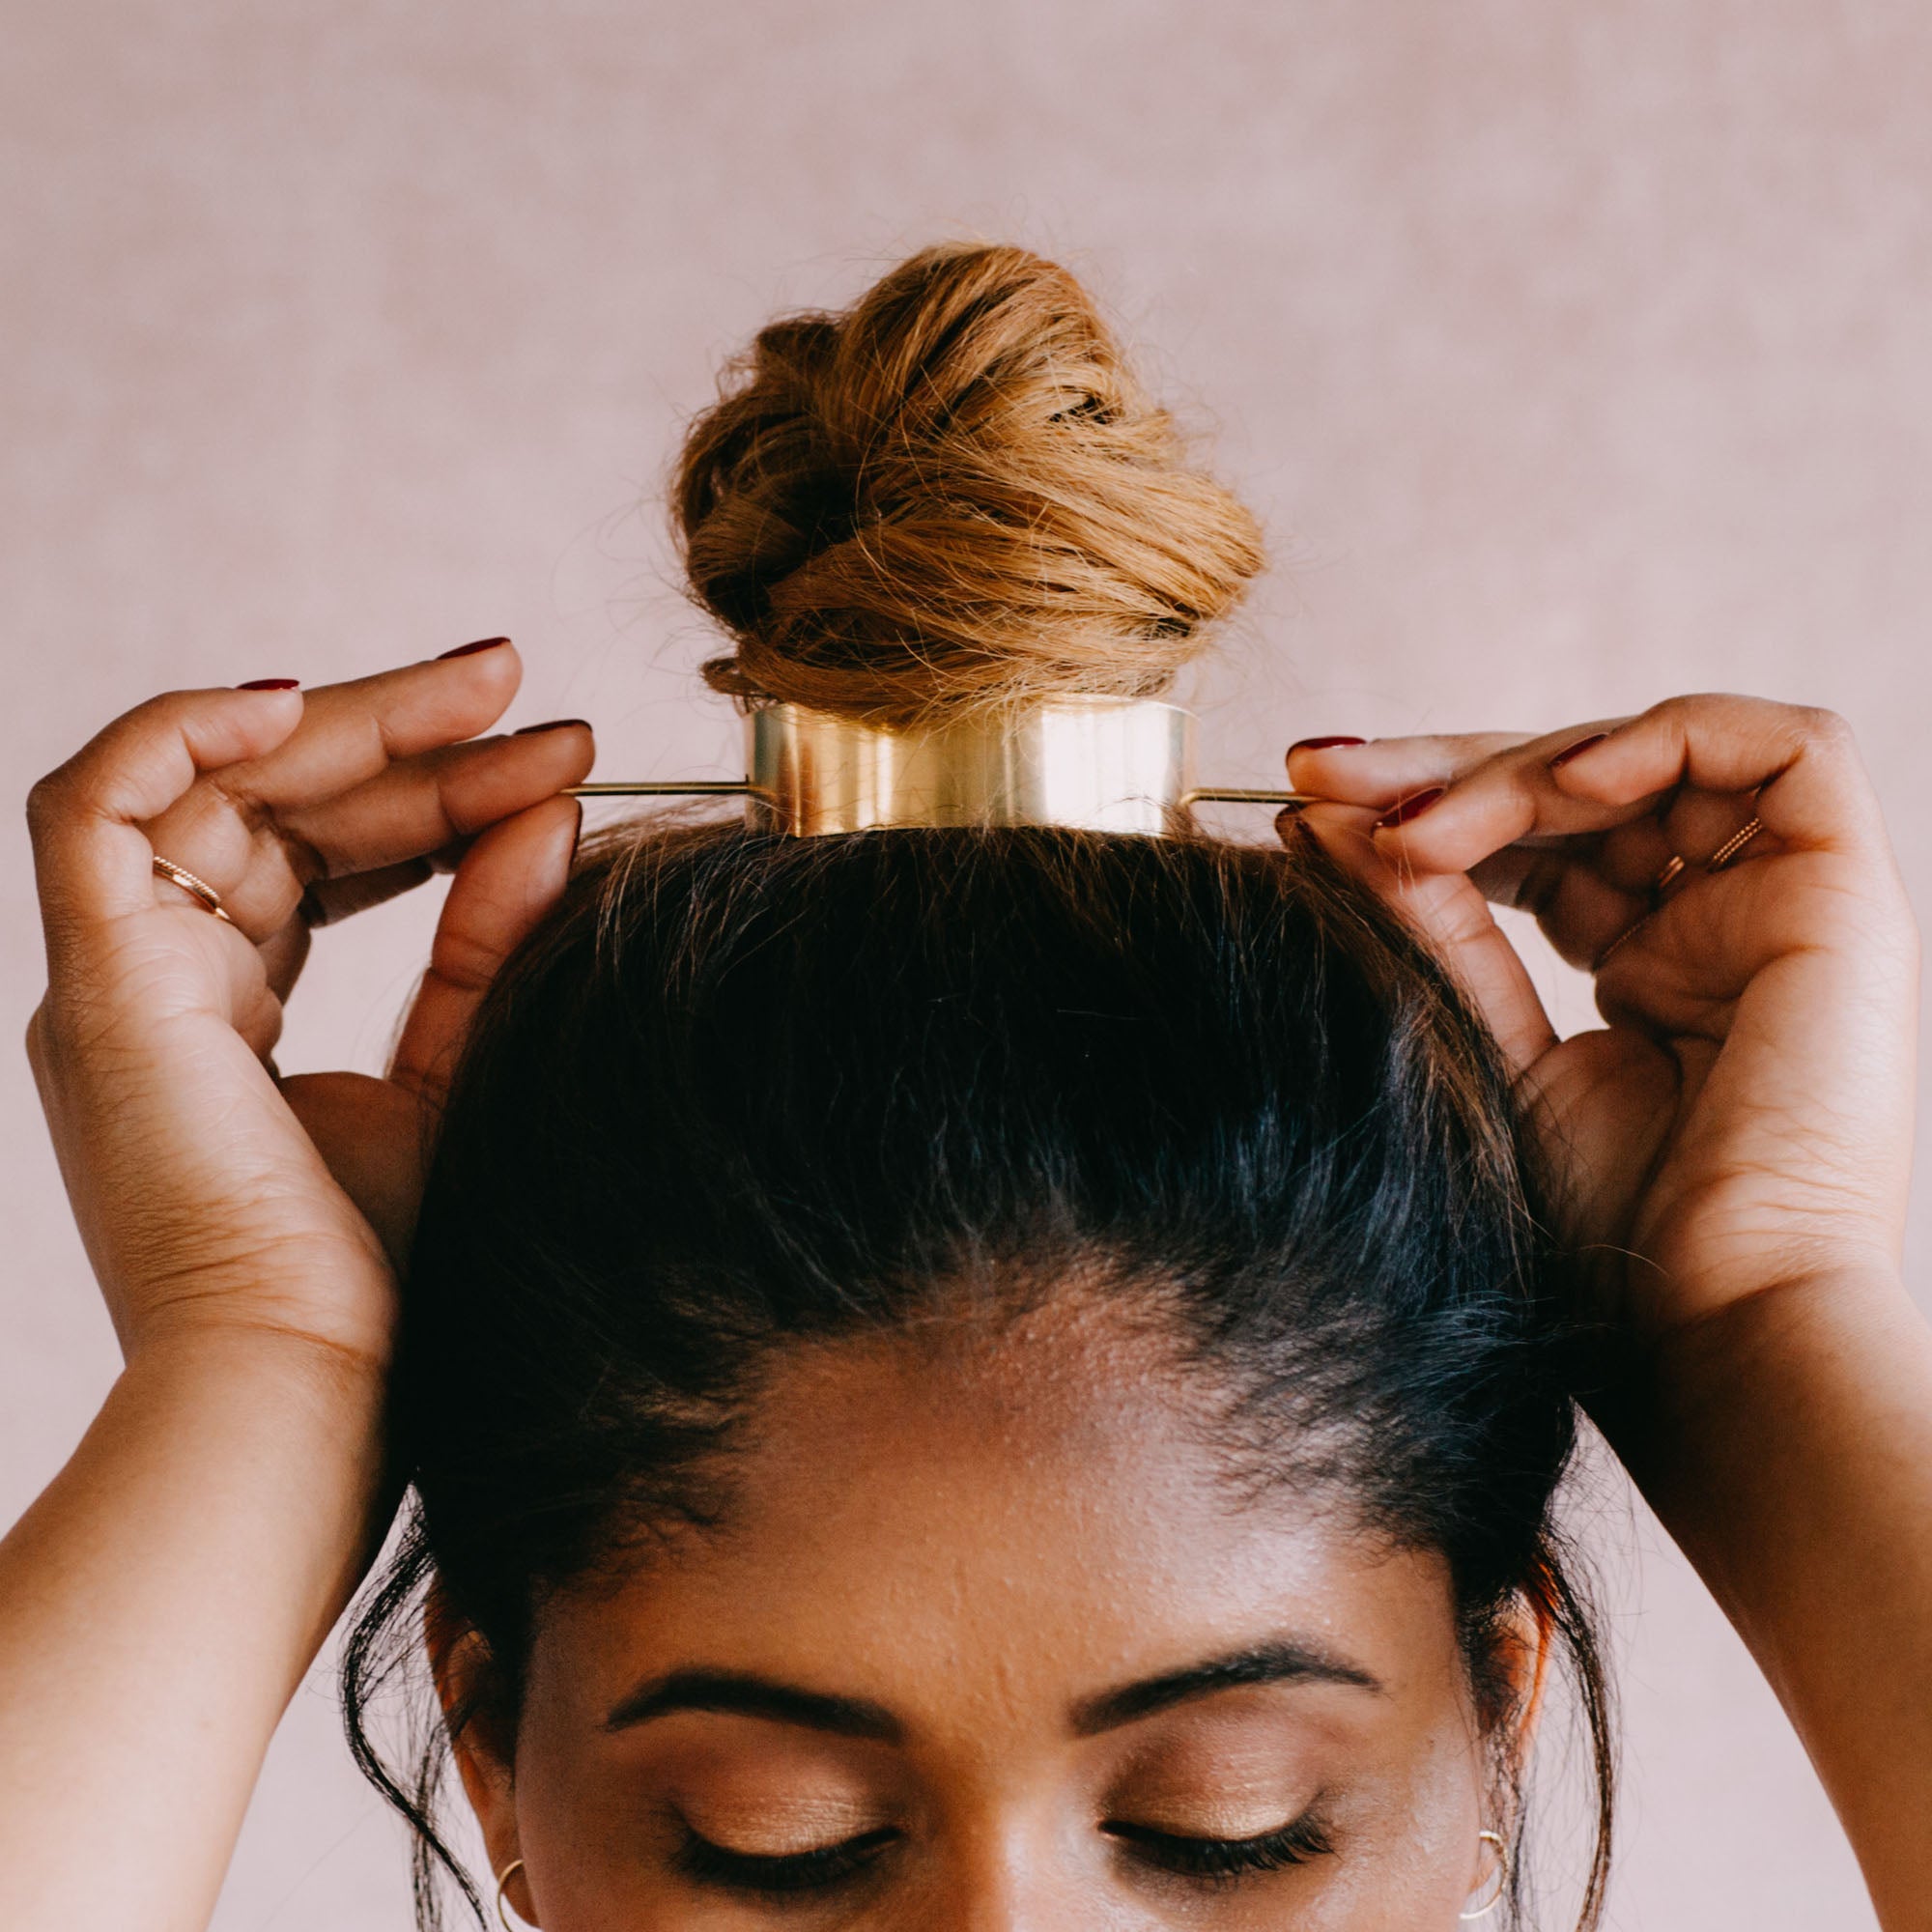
(951, 496)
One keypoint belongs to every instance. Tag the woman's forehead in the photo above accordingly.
(1040, 1507)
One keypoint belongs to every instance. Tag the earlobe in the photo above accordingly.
(511, 1874)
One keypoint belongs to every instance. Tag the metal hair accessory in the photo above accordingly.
(1100, 764)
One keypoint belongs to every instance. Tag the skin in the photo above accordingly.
(1732, 1148)
(905, 1509)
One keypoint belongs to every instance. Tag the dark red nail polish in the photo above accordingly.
(1578, 750)
(549, 724)
(270, 684)
(470, 650)
(1412, 807)
(1322, 744)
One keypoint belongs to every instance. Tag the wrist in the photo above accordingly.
(253, 1421)
(1672, 1387)
(325, 1369)
(1799, 1307)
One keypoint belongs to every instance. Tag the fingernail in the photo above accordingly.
(1412, 807)
(1578, 750)
(470, 650)
(549, 724)
(270, 684)
(1322, 744)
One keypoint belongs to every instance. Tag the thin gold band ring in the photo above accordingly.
(199, 889)
(1669, 870)
(1733, 845)
(1717, 861)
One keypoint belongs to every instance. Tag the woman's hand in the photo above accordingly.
(1745, 1117)
(162, 1600)
(203, 1185)
(1733, 1150)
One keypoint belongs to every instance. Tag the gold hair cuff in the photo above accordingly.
(1102, 764)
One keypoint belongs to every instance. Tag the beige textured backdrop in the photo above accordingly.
(1574, 355)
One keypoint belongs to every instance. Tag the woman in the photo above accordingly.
(993, 1377)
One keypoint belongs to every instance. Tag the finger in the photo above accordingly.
(1697, 824)
(92, 858)
(419, 806)
(1454, 919)
(285, 950)
(1386, 769)
(330, 900)
(352, 730)
(1633, 855)
(1666, 976)
(1809, 783)
(350, 733)
(1517, 795)
(512, 875)
(410, 812)
(281, 958)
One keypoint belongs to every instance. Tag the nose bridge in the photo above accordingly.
(1007, 1869)
(996, 1895)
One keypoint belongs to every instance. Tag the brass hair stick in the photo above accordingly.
(661, 788)
(1239, 795)
(1103, 764)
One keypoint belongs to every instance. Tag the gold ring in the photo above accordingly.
(1603, 958)
(195, 887)
(1733, 845)
(1672, 867)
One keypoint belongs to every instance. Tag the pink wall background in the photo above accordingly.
(1574, 354)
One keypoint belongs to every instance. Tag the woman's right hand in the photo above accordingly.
(209, 1193)
(162, 1597)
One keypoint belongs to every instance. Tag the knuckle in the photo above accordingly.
(1826, 727)
(48, 799)
(1682, 707)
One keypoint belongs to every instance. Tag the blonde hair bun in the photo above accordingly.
(952, 494)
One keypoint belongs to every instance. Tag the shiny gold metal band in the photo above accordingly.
(1103, 764)
(195, 887)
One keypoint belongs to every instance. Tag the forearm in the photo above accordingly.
(1787, 1446)
(158, 1604)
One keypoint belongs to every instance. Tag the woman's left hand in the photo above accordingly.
(1744, 1119)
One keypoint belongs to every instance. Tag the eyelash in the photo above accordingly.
(1224, 1859)
(791, 1871)
(1219, 1861)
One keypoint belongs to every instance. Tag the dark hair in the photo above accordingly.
(740, 1089)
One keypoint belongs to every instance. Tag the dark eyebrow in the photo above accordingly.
(1284, 1663)
(752, 1697)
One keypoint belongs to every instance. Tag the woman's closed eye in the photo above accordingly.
(1217, 1860)
(699, 1859)
(1221, 1860)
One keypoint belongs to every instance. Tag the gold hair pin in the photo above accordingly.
(1102, 764)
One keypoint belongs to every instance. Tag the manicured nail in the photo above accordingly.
(1322, 744)
(549, 724)
(470, 650)
(1412, 807)
(270, 684)
(1578, 750)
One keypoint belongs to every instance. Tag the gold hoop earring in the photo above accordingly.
(1503, 1874)
(503, 1879)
